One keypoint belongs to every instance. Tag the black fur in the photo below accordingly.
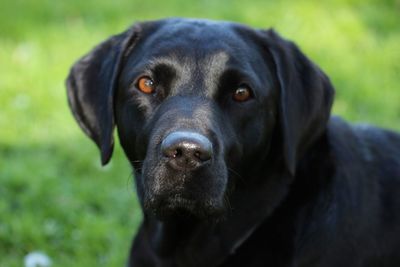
(285, 184)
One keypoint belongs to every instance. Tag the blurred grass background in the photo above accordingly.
(55, 197)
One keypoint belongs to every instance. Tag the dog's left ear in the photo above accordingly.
(90, 88)
(306, 97)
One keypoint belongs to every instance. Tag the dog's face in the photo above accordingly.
(197, 104)
(209, 101)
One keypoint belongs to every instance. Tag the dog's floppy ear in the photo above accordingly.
(306, 97)
(90, 88)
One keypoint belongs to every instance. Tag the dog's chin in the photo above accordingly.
(176, 207)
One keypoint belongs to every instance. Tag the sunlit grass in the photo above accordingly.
(55, 197)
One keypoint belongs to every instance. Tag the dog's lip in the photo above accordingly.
(176, 200)
(180, 205)
(173, 204)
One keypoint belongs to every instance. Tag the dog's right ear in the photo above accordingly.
(90, 87)
(306, 97)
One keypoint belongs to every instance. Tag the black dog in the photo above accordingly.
(237, 160)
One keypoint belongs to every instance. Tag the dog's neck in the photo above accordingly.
(170, 234)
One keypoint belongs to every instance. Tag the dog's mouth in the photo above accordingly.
(179, 205)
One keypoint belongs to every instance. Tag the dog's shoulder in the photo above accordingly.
(367, 168)
(364, 144)
(358, 204)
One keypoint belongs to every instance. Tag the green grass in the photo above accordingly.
(55, 197)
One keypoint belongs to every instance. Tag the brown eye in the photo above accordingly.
(242, 93)
(146, 85)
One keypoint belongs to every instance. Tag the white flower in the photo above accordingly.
(37, 259)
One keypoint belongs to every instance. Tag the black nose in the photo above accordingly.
(186, 150)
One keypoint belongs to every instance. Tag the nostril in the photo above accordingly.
(178, 153)
(172, 152)
(203, 155)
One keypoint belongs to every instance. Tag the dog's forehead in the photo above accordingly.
(194, 29)
(195, 40)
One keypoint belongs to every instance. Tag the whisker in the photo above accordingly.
(129, 181)
(236, 174)
(227, 203)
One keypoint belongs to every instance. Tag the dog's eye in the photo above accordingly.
(146, 85)
(242, 93)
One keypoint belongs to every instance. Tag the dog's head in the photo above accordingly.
(197, 104)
